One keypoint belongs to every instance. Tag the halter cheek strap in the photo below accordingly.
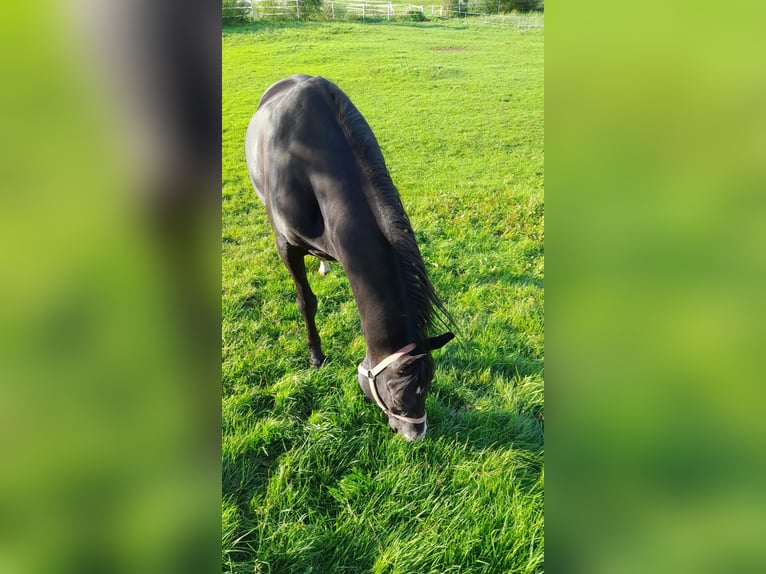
(376, 370)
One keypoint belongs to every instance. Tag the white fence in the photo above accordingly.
(272, 8)
(380, 9)
(375, 9)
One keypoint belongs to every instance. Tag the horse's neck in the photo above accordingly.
(386, 322)
(370, 263)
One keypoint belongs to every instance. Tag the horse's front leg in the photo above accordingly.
(306, 300)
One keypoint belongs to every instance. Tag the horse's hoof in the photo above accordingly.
(317, 362)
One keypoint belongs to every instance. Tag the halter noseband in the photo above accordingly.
(376, 370)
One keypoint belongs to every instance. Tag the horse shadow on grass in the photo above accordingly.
(515, 360)
(480, 431)
(480, 427)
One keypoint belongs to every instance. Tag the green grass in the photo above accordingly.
(313, 480)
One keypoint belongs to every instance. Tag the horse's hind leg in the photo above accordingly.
(306, 300)
(324, 267)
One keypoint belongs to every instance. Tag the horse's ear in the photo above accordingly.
(440, 341)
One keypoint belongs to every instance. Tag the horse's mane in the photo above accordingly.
(384, 199)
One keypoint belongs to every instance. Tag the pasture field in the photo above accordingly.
(313, 479)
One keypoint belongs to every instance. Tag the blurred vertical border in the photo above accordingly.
(655, 300)
(110, 307)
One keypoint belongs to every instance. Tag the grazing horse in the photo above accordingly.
(317, 167)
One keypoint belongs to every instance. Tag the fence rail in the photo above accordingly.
(377, 9)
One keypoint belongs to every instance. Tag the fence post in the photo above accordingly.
(298, 9)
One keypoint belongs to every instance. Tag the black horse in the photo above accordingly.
(317, 167)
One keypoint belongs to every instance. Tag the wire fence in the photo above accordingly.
(373, 10)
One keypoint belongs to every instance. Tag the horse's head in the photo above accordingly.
(399, 385)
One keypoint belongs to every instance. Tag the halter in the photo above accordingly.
(376, 370)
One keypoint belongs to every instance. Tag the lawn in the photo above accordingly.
(313, 479)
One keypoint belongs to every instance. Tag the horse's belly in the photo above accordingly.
(304, 227)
